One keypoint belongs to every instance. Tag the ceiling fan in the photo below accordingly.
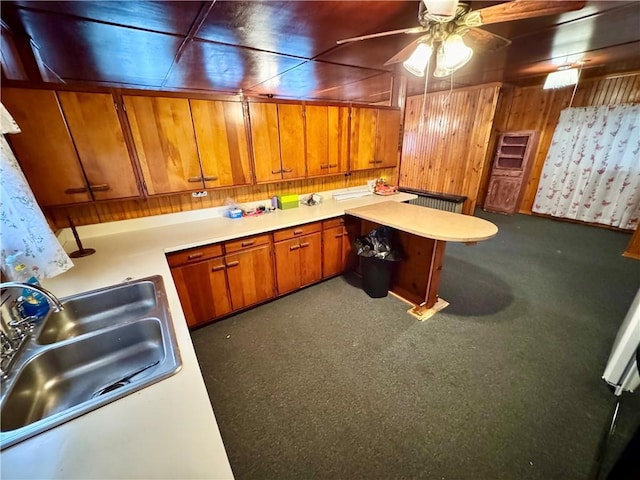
(444, 23)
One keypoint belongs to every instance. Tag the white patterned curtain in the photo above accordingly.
(592, 169)
(23, 227)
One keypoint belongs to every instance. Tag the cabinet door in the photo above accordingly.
(222, 142)
(97, 134)
(332, 246)
(310, 259)
(292, 154)
(250, 275)
(327, 140)
(502, 194)
(44, 147)
(288, 265)
(363, 138)
(202, 288)
(165, 142)
(265, 141)
(387, 138)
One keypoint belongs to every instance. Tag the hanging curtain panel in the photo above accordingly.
(592, 169)
(23, 227)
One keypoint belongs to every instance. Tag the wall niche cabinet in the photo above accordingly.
(71, 147)
(511, 165)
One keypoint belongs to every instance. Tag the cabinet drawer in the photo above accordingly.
(194, 255)
(298, 231)
(333, 222)
(247, 242)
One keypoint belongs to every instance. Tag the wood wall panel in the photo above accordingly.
(532, 108)
(100, 212)
(446, 152)
(633, 248)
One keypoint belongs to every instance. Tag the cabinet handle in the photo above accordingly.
(333, 165)
(378, 161)
(103, 187)
(248, 243)
(210, 179)
(338, 235)
(194, 179)
(275, 172)
(287, 170)
(305, 244)
(324, 166)
(298, 232)
(218, 268)
(195, 255)
(294, 247)
(71, 191)
(372, 161)
(235, 263)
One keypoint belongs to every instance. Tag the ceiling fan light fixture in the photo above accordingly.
(456, 53)
(441, 70)
(441, 10)
(561, 78)
(419, 59)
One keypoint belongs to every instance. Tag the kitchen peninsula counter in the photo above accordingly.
(167, 430)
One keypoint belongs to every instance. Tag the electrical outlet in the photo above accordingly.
(199, 194)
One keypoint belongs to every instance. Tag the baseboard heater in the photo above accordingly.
(441, 201)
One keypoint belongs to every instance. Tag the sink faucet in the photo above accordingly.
(55, 303)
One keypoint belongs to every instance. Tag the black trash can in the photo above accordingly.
(377, 257)
(376, 276)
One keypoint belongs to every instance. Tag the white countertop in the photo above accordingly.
(167, 430)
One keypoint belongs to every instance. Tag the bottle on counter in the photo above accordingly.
(35, 304)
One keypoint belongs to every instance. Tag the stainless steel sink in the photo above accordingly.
(112, 342)
(91, 311)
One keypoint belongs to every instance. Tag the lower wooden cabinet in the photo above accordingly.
(298, 262)
(250, 276)
(202, 288)
(210, 288)
(337, 253)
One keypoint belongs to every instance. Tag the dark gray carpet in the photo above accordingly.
(503, 384)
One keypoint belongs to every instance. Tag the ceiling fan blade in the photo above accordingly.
(382, 34)
(520, 9)
(483, 41)
(403, 54)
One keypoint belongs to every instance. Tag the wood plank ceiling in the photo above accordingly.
(288, 48)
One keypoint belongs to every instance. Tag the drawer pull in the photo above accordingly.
(103, 187)
(210, 179)
(275, 172)
(305, 244)
(294, 247)
(298, 232)
(71, 191)
(195, 255)
(194, 179)
(218, 268)
(248, 243)
(235, 263)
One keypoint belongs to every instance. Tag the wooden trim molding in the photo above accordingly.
(633, 248)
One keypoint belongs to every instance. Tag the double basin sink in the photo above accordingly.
(104, 345)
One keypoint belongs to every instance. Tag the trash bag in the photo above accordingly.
(378, 243)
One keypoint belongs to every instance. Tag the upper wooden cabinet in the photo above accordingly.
(375, 137)
(327, 139)
(165, 142)
(65, 144)
(100, 143)
(222, 142)
(277, 131)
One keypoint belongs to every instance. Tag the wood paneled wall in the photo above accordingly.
(532, 108)
(633, 248)
(446, 151)
(98, 212)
